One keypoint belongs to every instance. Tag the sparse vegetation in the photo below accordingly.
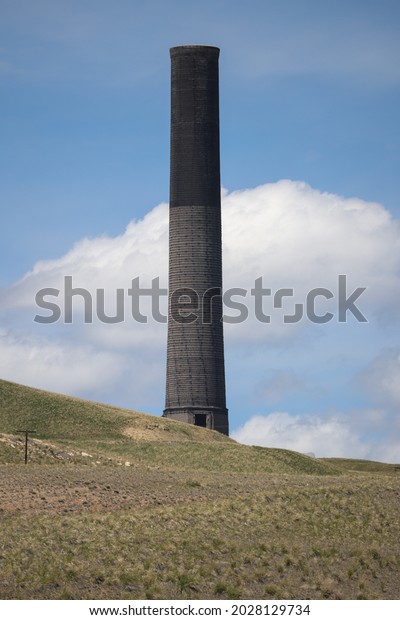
(114, 517)
(363, 466)
(71, 426)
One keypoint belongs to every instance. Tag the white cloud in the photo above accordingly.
(55, 366)
(103, 262)
(323, 437)
(297, 237)
(330, 435)
(286, 232)
(133, 379)
(295, 234)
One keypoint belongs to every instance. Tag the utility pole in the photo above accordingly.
(26, 431)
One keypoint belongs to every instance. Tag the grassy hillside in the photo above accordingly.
(361, 465)
(56, 416)
(117, 504)
(68, 426)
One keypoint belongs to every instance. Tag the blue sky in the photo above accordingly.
(309, 93)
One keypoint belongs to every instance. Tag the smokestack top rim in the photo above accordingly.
(180, 50)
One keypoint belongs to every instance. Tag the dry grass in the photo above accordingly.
(67, 427)
(56, 416)
(108, 509)
(293, 537)
(360, 465)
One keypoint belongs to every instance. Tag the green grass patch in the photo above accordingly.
(122, 435)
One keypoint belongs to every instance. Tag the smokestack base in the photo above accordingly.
(212, 418)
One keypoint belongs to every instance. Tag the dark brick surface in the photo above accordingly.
(195, 356)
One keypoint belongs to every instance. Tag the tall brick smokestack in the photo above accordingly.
(195, 356)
